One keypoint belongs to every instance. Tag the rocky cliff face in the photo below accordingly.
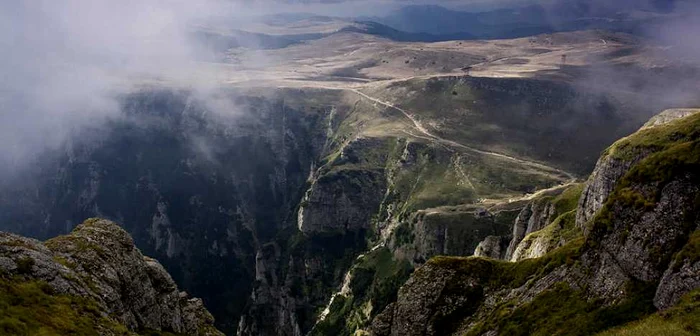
(611, 167)
(265, 203)
(544, 223)
(99, 263)
(199, 188)
(535, 216)
(638, 255)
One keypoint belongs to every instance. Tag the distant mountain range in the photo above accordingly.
(432, 23)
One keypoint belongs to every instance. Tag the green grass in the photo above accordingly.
(503, 274)
(375, 281)
(691, 251)
(568, 199)
(562, 310)
(657, 138)
(681, 320)
(32, 308)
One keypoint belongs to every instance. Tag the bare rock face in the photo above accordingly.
(600, 184)
(642, 210)
(344, 200)
(533, 246)
(454, 234)
(99, 261)
(492, 247)
(677, 281)
(534, 217)
(610, 169)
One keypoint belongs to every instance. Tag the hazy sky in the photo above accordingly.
(64, 62)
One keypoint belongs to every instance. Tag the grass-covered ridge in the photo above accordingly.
(562, 310)
(657, 138)
(564, 307)
(675, 148)
(681, 320)
(558, 310)
(33, 308)
(498, 274)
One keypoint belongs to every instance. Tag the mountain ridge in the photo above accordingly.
(93, 281)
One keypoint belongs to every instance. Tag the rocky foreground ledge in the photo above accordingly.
(92, 281)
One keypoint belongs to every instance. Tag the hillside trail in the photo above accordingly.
(427, 135)
(425, 132)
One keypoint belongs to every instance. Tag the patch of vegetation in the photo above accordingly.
(24, 265)
(32, 308)
(502, 274)
(375, 281)
(657, 169)
(516, 116)
(657, 138)
(66, 243)
(691, 250)
(681, 320)
(388, 275)
(334, 323)
(563, 310)
(403, 234)
(65, 262)
(371, 153)
(563, 228)
(568, 199)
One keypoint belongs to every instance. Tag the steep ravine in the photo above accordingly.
(261, 203)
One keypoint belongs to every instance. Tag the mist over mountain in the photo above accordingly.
(349, 167)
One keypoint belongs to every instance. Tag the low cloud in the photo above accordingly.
(64, 63)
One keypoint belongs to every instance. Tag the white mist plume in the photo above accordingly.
(64, 62)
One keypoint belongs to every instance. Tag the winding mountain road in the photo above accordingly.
(452, 143)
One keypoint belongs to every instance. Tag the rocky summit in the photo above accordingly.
(93, 281)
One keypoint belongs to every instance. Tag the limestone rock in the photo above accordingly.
(492, 247)
(99, 261)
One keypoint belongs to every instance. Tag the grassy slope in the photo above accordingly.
(680, 320)
(542, 120)
(32, 308)
(562, 310)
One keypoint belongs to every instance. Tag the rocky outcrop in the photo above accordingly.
(451, 233)
(543, 224)
(492, 247)
(640, 247)
(682, 275)
(535, 216)
(533, 246)
(346, 195)
(99, 261)
(275, 309)
(600, 184)
(668, 116)
(611, 167)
